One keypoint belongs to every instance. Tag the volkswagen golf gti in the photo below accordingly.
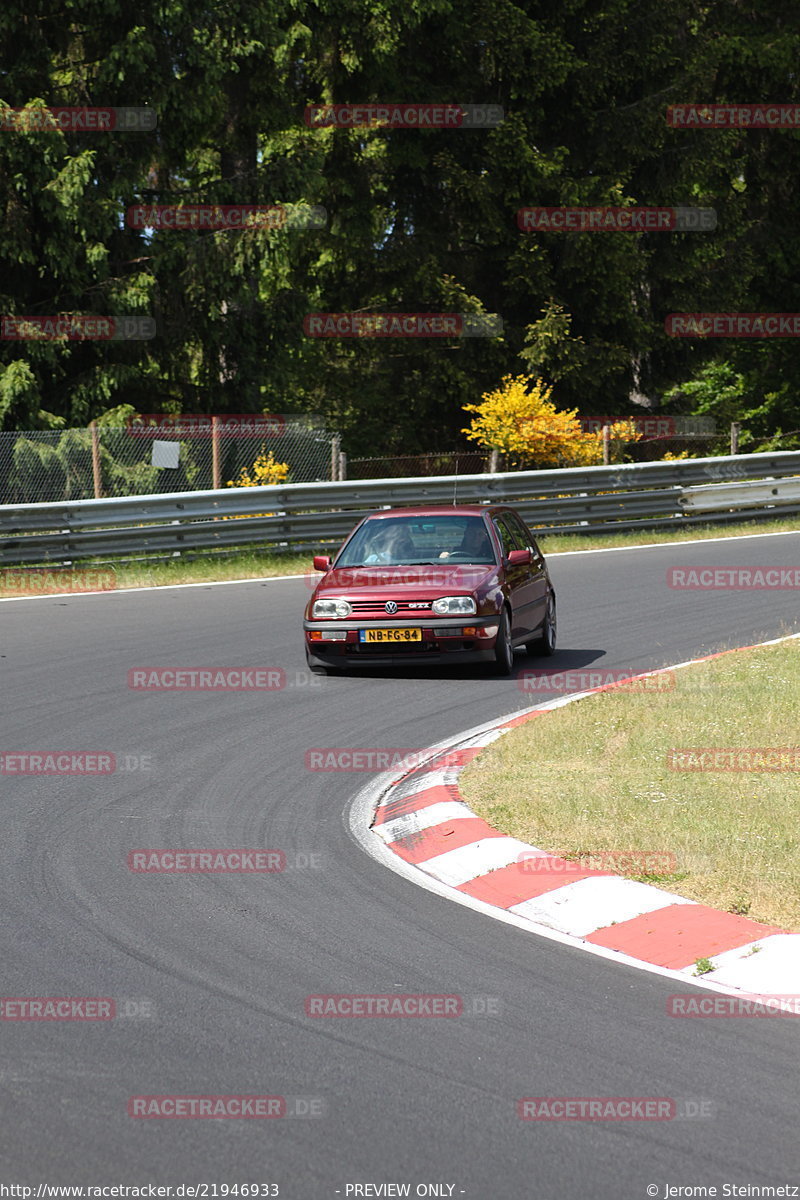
(464, 583)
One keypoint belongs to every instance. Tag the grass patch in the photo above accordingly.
(250, 564)
(558, 543)
(593, 777)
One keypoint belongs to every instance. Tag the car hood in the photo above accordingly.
(424, 582)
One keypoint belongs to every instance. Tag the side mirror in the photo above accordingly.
(519, 558)
(322, 562)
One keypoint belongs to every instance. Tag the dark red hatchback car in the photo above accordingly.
(465, 583)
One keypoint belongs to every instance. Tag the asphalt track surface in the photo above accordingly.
(226, 961)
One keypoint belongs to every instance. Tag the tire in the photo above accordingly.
(545, 644)
(503, 651)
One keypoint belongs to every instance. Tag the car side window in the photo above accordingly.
(525, 534)
(507, 536)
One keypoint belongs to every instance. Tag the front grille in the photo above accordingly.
(374, 608)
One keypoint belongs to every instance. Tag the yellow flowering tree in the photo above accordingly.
(519, 421)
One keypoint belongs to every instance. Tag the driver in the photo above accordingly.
(474, 543)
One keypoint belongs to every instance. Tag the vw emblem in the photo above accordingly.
(390, 607)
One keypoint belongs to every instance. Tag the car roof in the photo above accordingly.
(441, 510)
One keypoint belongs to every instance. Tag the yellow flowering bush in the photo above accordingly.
(264, 471)
(519, 420)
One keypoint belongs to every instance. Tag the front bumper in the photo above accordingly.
(444, 639)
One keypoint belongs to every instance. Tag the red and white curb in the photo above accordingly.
(418, 824)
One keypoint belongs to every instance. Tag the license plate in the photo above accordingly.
(390, 635)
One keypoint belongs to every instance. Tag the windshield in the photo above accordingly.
(409, 541)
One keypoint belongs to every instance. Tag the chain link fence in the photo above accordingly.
(81, 464)
(408, 466)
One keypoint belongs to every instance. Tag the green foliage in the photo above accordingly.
(417, 220)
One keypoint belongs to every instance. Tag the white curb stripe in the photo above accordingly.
(478, 858)
(483, 739)
(443, 777)
(424, 818)
(591, 904)
(775, 968)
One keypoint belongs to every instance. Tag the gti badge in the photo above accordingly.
(390, 607)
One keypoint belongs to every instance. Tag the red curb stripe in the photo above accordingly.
(512, 885)
(450, 835)
(439, 794)
(443, 761)
(678, 935)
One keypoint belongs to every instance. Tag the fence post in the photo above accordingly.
(606, 445)
(215, 471)
(342, 465)
(336, 442)
(97, 477)
(735, 427)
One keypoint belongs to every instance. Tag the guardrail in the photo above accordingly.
(305, 516)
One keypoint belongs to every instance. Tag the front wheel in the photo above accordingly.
(545, 644)
(503, 650)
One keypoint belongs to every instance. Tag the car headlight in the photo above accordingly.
(331, 608)
(454, 606)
